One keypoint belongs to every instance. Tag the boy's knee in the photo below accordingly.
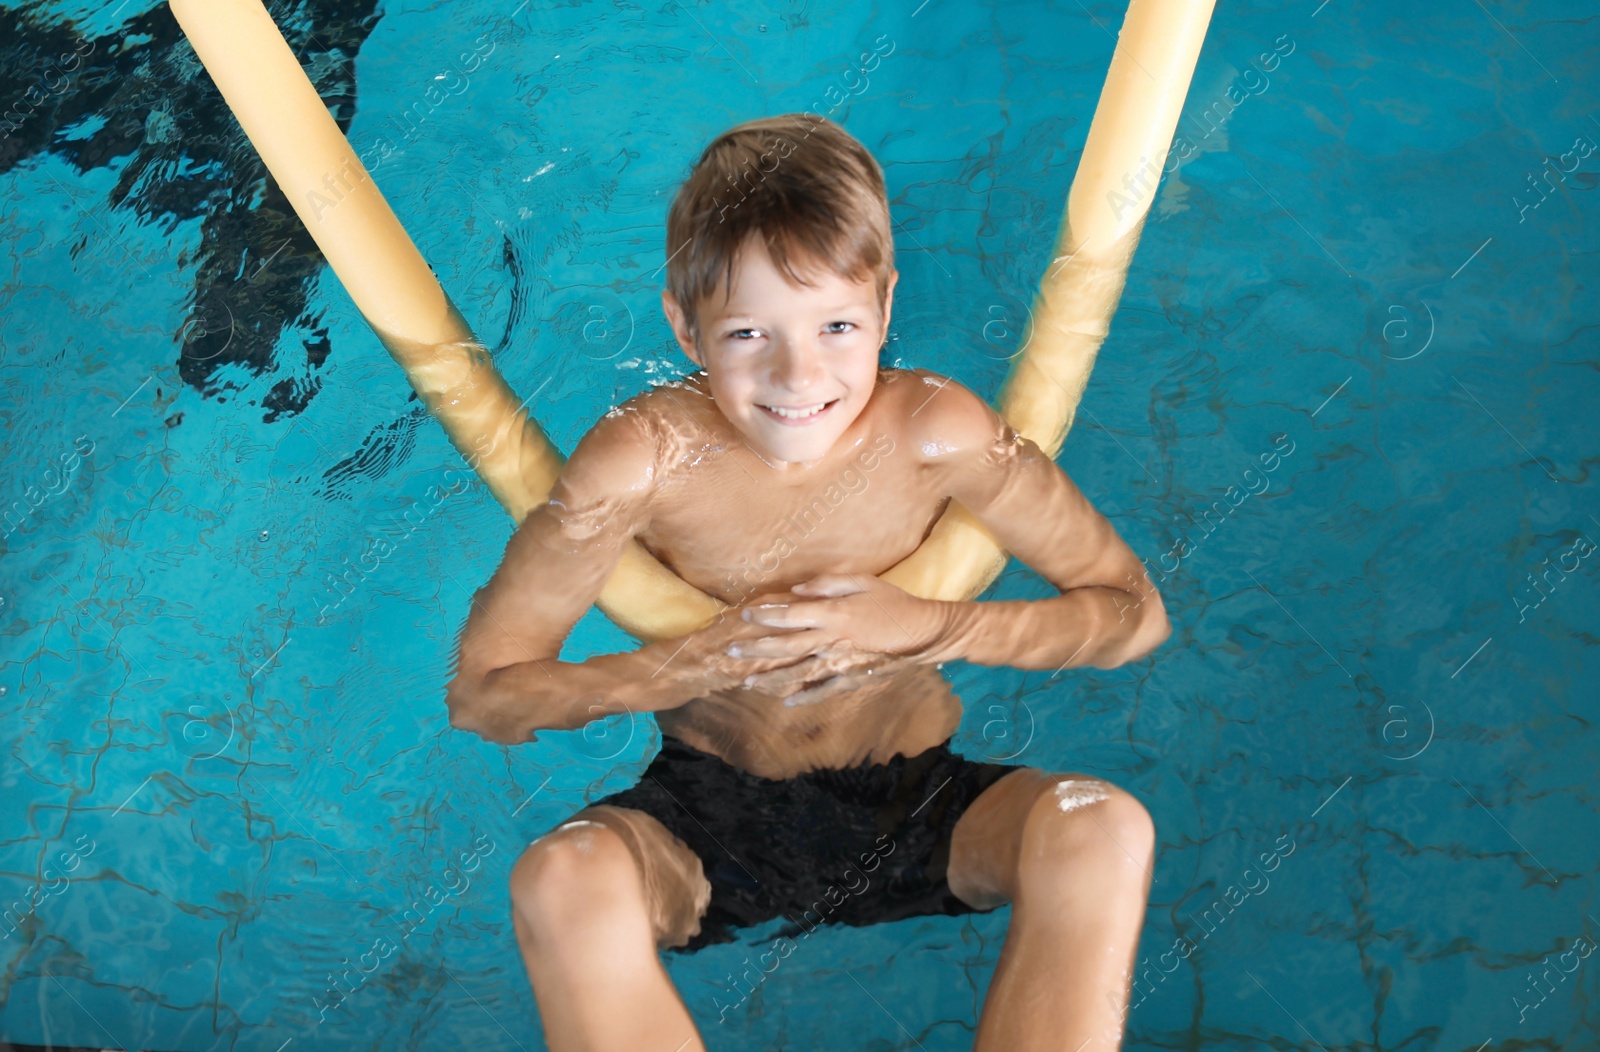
(1086, 820)
(1130, 823)
(573, 870)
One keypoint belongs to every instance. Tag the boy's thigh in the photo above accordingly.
(675, 886)
(986, 846)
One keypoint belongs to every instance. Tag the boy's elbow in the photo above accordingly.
(1155, 630)
(467, 710)
(473, 709)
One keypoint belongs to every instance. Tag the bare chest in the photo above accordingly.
(719, 529)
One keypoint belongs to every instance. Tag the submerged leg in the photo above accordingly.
(589, 929)
(1072, 854)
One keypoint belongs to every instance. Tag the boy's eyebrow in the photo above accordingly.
(854, 305)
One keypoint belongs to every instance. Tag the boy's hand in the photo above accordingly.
(707, 650)
(840, 670)
(843, 613)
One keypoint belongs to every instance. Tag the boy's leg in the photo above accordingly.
(1073, 855)
(589, 917)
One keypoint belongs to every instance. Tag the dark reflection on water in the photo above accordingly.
(137, 100)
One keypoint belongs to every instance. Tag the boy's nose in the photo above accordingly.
(797, 366)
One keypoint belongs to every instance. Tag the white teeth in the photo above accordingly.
(797, 414)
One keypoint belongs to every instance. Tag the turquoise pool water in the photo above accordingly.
(1369, 746)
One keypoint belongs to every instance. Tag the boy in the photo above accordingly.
(805, 733)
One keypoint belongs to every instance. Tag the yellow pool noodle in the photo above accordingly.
(1111, 194)
(391, 284)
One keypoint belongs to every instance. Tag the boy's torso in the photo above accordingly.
(864, 507)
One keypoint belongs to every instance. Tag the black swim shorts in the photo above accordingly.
(859, 845)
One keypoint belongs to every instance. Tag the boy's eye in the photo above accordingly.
(833, 328)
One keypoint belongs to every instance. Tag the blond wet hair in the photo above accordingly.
(802, 183)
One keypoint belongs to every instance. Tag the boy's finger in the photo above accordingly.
(831, 585)
(795, 644)
(783, 615)
(775, 681)
(771, 597)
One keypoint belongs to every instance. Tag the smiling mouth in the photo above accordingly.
(798, 414)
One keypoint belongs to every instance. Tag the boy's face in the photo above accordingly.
(773, 346)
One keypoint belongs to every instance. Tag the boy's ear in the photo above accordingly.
(888, 301)
(680, 326)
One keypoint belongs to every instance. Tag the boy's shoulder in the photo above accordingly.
(615, 462)
(624, 455)
(944, 419)
(940, 418)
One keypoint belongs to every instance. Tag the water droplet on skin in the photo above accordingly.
(763, 29)
(1073, 793)
(3, 692)
(264, 535)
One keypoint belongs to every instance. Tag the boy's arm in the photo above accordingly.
(1108, 612)
(509, 681)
